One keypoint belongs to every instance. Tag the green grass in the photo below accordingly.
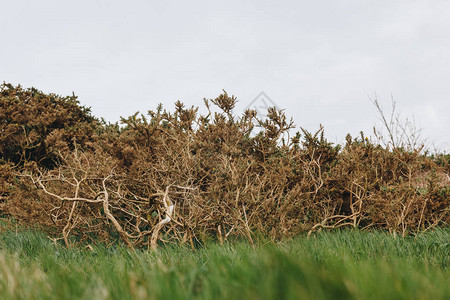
(333, 265)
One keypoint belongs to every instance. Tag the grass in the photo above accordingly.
(330, 265)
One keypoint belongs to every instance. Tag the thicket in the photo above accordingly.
(184, 177)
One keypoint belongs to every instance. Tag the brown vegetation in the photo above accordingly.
(182, 177)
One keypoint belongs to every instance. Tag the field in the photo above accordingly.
(329, 265)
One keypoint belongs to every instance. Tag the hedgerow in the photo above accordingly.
(184, 177)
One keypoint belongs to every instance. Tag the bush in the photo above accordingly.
(33, 125)
(182, 177)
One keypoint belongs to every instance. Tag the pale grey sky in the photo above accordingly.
(321, 60)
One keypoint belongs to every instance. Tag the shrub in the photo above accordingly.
(33, 125)
(182, 177)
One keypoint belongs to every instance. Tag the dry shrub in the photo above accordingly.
(396, 190)
(5, 183)
(181, 177)
(32, 123)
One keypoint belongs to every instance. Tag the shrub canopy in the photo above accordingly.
(34, 124)
(183, 177)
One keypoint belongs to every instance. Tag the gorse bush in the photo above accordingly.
(32, 123)
(183, 177)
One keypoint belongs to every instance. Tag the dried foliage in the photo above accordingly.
(32, 123)
(182, 177)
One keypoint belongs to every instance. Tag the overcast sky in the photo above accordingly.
(320, 60)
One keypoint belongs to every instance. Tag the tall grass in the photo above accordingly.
(337, 265)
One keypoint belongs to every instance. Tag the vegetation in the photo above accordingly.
(232, 212)
(33, 125)
(338, 265)
(184, 178)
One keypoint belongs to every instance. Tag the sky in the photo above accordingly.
(321, 61)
